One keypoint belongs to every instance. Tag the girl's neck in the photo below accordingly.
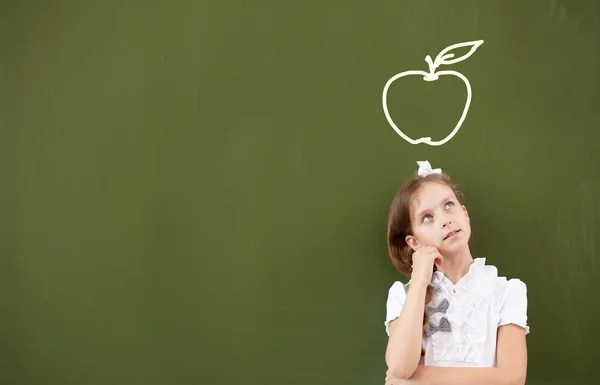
(456, 266)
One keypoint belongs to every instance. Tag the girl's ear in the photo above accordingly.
(412, 242)
(466, 212)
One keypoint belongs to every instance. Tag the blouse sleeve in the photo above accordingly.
(395, 303)
(514, 305)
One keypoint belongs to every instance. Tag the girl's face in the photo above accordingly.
(439, 220)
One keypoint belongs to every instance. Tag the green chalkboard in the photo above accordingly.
(197, 192)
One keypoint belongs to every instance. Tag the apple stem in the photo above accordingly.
(432, 76)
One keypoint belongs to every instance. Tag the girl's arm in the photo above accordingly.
(406, 332)
(511, 365)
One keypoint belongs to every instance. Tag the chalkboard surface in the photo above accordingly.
(197, 192)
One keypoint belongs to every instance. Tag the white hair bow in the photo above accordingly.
(425, 168)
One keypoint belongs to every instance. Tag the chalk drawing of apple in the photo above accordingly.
(443, 58)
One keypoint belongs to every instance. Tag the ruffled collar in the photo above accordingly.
(479, 273)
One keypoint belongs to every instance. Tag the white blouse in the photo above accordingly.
(464, 318)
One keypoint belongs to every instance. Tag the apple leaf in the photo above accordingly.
(443, 57)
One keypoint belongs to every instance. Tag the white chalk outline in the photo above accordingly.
(432, 75)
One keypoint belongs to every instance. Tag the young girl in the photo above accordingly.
(456, 322)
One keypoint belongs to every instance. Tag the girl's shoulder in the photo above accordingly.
(398, 289)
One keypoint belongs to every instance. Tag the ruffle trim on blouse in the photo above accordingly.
(467, 314)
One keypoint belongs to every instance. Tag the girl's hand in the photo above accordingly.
(423, 260)
(416, 379)
(390, 379)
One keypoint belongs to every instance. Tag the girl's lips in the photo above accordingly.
(452, 234)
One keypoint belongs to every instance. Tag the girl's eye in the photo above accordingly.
(449, 204)
(427, 217)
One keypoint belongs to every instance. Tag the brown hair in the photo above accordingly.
(399, 226)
